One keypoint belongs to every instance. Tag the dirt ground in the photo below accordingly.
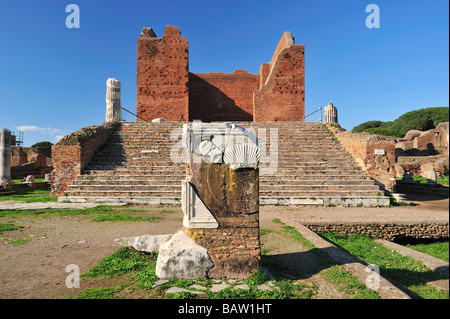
(37, 268)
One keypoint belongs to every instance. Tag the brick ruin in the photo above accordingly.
(166, 89)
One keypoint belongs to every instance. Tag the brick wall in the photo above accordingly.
(282, 97)
(363, 147)
(222, 96)
(431, 142)
(166, 89)
(73, 152)
(162, 75)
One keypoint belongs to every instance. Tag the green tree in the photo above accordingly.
(44, 144)
(422, 120)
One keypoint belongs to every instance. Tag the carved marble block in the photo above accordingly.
(221, 196)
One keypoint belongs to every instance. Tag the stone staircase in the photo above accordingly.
(301, 164)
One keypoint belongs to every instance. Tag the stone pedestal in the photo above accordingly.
(113, 106)
(5, 157)
(221, 201)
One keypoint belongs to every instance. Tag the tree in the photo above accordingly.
(422, 120)
(44, 144)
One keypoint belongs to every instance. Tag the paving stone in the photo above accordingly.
(218, 287)
(173, 290)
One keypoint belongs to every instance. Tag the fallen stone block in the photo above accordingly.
(145, 243)
(181, 257)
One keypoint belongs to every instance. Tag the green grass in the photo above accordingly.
(142, 267)
(99, 213)
(410, 273)
(8, 227)
(347, 283)
(334, 273)
(19, 180)
(443, 180)
(19, 242)
(31, 196)
(121, 262)
(100, 293)
(439, 250)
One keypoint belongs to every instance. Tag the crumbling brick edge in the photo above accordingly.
(74, 151)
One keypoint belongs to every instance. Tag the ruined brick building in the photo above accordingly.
(142, 162)
(166, 89)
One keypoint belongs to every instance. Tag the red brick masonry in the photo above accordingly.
(72, 153)
(166, 89)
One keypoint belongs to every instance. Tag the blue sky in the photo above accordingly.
(53, 79)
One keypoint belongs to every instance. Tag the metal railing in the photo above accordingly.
(319, 109)
(134, 114)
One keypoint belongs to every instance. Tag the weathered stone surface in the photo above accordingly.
(165, 87)
(5, 157)
(113, 106)
(330, 113)
(428, 172)
(196, 214)
(29, 179)
(227, 184)
(181, 257)
(146, 243)
(222, 143)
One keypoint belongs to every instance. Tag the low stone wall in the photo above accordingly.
(374, 153)
(387, 231)
(28, 186)
(73, 152)
(416, 164)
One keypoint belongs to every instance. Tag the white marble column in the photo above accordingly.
(113, 106)
(5, 157)
(330, 112)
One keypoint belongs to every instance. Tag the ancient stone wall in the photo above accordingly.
(374, 153)
(282, 96)
(162, 76)
(431, 142)
(73, 152)
(387, 231)
(166, 89)
(415, 164)
(222, 96)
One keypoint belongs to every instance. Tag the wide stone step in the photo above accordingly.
(134, 172)
(160, 200)
(135, 177)
(126, 182)
(126, 188)
(313, 193)
(317, 187)
(325, 200)
(323, 182)
(146, 193)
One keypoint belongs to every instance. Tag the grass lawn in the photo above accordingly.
(31, 196)
(439, 250)
(410, 273)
